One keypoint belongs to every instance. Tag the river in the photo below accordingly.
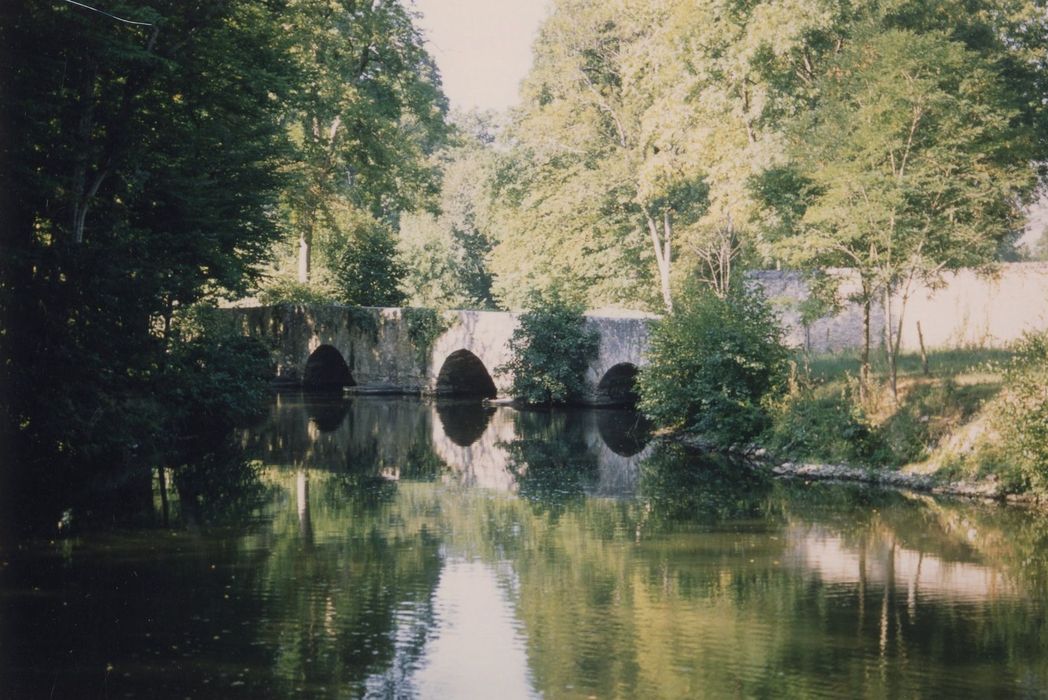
(394, 547)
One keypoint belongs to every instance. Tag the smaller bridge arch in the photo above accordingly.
(464, 374)
(326, 369)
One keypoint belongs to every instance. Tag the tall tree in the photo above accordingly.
(595, 188)
(912, 161)
(445, 254)
(141, 172)
(368, 112)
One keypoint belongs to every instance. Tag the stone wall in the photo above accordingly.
(968, 309)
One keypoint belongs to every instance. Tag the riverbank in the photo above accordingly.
(941, 434)
(989, 487)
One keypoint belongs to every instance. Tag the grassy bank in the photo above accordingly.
(945, 423)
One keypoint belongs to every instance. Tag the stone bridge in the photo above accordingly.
(389, 350)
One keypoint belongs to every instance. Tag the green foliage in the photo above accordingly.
(368, 113)
(424, 327)
(213, 382)
(715, 363)
(285, 290)
(445, 254)
(551, 348)
(368, 273)
(1021, 412)
(146, 169)
(364, 321)
(894, 137)
(600, 160)
(823, 418)
(822, 426)
(912, 160)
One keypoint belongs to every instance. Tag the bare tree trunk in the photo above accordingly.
(305, 245)
(889, 343)
(924, 354)
(661, 245)
(164, 507)
(895, 338)
(864, 361)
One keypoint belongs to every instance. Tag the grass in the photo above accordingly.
(823, 418)
(973, 365)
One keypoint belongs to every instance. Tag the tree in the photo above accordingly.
(368, 273)
(141, 168)
(367, 113)
(911, 162)
(596, 186)
(445, 254)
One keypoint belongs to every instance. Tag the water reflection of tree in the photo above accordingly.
(683, 486)
(389, 436)
(550, 459)
(355, 602)
(220, 486)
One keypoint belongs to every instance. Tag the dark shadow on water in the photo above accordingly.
(682, 486)
(625, 433)
(327, 409)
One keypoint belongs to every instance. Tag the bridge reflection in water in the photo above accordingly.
(461, 440)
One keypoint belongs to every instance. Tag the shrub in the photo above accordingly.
(215, 381)
(551, 349)
(285, 290)
(1021, 411)
(826, 427)
(714, 363)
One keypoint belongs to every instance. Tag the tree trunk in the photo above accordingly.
(305, 245)
(864, 362)
(83, 144)
(164, 507)
(924, 354)
(895, 339)
(890, 345)
(661, 246)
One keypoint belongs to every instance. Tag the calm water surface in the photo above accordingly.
(401, 548)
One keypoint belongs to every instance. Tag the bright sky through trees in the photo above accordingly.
(482, 47)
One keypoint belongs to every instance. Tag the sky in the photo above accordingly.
(482, 47)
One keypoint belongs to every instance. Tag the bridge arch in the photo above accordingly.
(464, 374)
(326, 369)
(618, 386)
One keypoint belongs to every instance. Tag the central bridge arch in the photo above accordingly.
(464, 374)
(326, 369)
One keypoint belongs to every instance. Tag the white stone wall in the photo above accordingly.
(969, 309)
